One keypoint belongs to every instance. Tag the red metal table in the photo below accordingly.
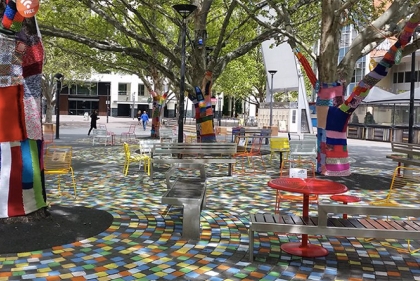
(306, 187)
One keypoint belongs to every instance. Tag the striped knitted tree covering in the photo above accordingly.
(158, 101)
(22, 186)
(333, 114)
(204, 110)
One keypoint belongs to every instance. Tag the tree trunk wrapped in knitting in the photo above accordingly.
(22, 186)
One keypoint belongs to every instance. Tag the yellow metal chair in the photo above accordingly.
(405, 179)
(57, 161)
(405, 186)
(280, 145)
(145, 151)
(129, 158)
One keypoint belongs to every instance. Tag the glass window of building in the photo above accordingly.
(87, 89)
(122, 89)
(140, 90)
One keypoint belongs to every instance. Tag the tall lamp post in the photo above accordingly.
(58, 78)
(133, 97)
(184, 10)
(108, 104)
(220, 110)
(272, 72)
(413, 79)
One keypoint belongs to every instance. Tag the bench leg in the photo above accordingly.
(251, 244)
(230, 169)
(191, 222)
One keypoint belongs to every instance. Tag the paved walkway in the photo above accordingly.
(144, 243)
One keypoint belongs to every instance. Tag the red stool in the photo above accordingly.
(345, 199)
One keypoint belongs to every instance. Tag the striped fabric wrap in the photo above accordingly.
(22, 169)
(158, 101)
(204, 110)
(332, 122)
(12, 20)
(22, 185)
(329, 97)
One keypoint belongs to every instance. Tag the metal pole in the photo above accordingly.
(413, 78)
(271, 102)
(185, 115)
(57, 106)
(272, 72)
(132, 109)
(220, 111)
(182, 85)
(108, 105)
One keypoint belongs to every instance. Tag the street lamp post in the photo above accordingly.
(184, 10)
(58, 78)
(108, 104)
(133, 96)
(272, 72)
(220, 110)
(413, 79)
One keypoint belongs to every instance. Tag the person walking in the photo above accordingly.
(93, 118)
(139, 116)
(144, 118)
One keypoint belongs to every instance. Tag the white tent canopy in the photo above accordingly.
(281, 59)
(403, 98)
(377, 95)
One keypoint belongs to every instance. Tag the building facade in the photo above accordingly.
(122, 95)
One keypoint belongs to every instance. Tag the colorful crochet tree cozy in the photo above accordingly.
(22, 187)
(203, 109)
(333, 113)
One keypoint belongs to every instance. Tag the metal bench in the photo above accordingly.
(193, 153)
(190, 193)
(408, 153)
(350, 227)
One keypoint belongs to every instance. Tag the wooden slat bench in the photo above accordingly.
(408, 153)
(190, 193)
(350, 227)
(193, 153)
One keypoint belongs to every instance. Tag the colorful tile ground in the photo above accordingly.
(144, 243)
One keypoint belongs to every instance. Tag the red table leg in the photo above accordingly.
(303, 249)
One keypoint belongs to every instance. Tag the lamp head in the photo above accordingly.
(185, 10)
(272, 72)
(58, 76)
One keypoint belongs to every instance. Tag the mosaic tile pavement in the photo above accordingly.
(144, 241)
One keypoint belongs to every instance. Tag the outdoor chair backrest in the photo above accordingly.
(132, 129)
(303, 146)
(127, 152)
(100, 132)
(256, 144)
(281, 144)
(309, 137)
(166, 133)
(146, 146)
(58, 158)
(405, 178)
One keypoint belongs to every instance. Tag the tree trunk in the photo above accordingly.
(158, 102)
(22, 189)
(204, 114)
(333, 115)
(49, 112)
